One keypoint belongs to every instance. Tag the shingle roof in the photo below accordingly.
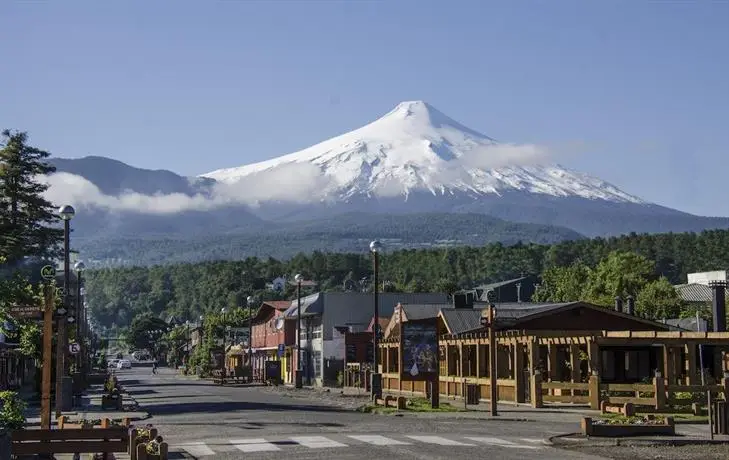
(460, 320)
(280, 305)
(695, 292)
(414, 312)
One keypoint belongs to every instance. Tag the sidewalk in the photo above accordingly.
(90, 409)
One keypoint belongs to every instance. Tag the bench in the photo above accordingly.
(70, 441)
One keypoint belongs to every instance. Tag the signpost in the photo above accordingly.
(26, 312)
(74, 348)
(50, 302)
(48, 272)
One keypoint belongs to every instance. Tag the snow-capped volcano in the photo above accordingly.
(417, 148)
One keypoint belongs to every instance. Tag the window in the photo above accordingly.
(316, 358)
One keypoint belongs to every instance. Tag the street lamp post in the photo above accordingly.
(187, 355)
(376, 383)
(222, 311)
(80, 365)
(249, 302)
(298, 378)
(66, 213)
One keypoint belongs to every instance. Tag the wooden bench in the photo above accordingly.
(218, 378)
(70, 441)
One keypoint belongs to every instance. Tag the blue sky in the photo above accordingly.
(633, 92)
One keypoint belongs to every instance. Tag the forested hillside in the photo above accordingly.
(187, 290)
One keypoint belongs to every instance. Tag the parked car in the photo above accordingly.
(124, 364)
(113, 363)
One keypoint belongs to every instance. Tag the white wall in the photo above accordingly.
(334, 349)
(706, 277)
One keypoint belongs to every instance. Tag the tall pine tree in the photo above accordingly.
(26, 217)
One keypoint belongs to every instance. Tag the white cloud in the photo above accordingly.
(299, 182)
(288, 183)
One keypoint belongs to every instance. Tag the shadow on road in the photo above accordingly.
(222, 407)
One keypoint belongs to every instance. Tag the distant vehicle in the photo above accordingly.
(113, 362)
(119, 355)
(124, 364)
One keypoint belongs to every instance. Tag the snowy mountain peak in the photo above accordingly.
(417, 148)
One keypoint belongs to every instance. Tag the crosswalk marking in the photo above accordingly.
(197, 449)
(439, 440)
(254, 445)
(316, 442)
(532, 440)
(499, 442)
(278, 443)
(378, 440)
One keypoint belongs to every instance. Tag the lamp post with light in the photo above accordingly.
(298, 377)
(79, 318)
(249, 302)
(66, 213)
(376, 384)
(222, 312)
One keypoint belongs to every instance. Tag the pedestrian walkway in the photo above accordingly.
(288, 443)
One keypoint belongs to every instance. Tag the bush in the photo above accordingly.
(12, 414)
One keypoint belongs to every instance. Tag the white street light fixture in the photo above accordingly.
(79, 266)
(376, 246)
(66, 212)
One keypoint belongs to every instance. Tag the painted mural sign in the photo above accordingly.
(419, 349)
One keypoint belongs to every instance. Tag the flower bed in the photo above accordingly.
(146, 444)
(65, 423)
(628, 426)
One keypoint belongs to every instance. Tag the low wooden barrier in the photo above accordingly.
(70, 441)
(218, 378)
(399, 402)
(627, 409)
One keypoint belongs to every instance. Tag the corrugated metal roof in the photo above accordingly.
(279, 304)
(499, 284)
(695, 292)
(687, 324)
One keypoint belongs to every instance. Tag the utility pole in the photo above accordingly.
(489, 321)
(66, 212)
(48, 307)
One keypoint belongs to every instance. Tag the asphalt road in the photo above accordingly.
(202, 420)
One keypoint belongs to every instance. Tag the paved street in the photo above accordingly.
(202, 420)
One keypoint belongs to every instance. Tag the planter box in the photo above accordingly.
(65, 423)
(589, 428)
(111, 402)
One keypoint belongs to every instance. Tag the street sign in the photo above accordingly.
(61, 311)
(74, 348)
(25, 311)
(281, 350)
(48, 272)
(71, 319)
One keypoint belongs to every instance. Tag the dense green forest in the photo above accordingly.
(345, 233)
(187, 290)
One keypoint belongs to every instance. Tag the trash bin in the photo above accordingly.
(473, 393)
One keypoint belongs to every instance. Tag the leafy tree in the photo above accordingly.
(564, 284)
(620, 274)
(146, 333)
(25, 215)
(659, 300)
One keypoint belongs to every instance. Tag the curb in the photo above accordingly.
(627, 442)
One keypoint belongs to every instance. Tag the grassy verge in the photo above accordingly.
(414, 405)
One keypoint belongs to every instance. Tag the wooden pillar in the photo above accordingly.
(576, 371)
(478, 358)
(460, 359)
(519, 374)
(448, 359)
(691, 365)
(593, 351)
(668, 370)
(552, 362)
